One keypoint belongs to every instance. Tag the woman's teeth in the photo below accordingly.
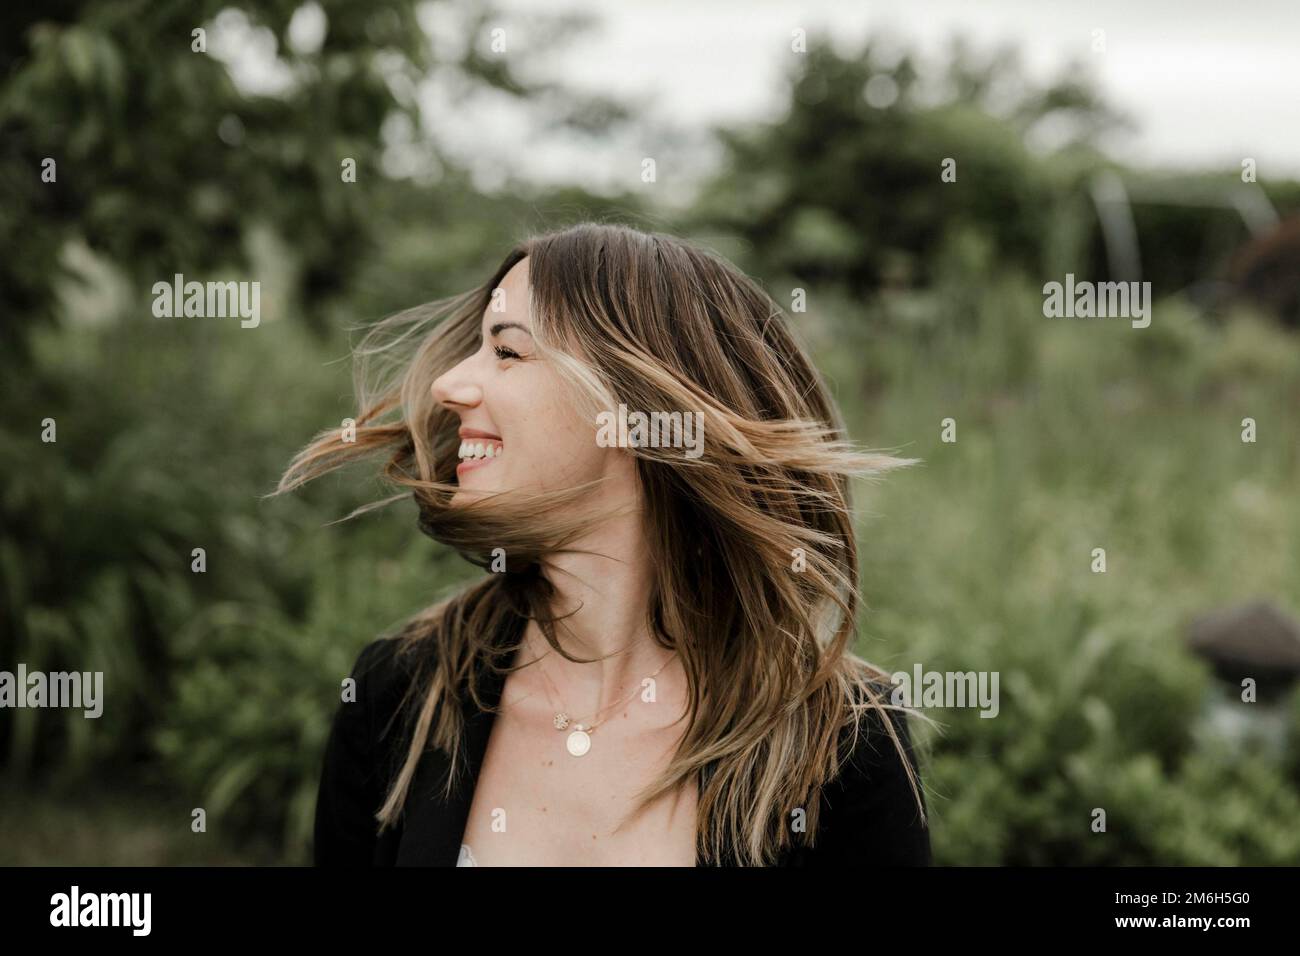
(470, 450)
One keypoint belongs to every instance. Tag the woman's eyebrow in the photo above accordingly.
(502, 326)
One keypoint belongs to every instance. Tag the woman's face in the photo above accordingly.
(519, 430)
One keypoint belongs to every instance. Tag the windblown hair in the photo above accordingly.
(753, 542)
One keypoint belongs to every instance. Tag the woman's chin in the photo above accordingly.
(468, 490)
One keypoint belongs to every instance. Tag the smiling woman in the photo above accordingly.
(658, 668)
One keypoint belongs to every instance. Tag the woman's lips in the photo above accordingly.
(469, 438)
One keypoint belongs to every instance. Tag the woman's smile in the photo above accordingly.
(477, 449)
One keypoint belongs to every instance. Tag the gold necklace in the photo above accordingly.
(579, 742)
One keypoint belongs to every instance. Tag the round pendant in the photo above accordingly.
(579, 743)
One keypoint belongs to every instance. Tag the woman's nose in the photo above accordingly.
(456, 386)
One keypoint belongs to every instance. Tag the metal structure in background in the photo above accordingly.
(1114, 202)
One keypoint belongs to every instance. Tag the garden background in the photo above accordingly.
(924, 303)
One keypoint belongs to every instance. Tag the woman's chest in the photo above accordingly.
(535, 804)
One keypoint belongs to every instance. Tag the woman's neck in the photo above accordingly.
(605, 595)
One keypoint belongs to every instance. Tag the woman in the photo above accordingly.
(657, 667)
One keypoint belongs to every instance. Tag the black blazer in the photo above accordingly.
(868, 814)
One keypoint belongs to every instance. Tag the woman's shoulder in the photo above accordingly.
(877, 716)
(363, 748)
(876, 807)
(383, 672)
(381, 662)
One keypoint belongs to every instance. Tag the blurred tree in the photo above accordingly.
(167, 154)
(847, 186)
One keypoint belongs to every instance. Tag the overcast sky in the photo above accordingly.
(1208, 83)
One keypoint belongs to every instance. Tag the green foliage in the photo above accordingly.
(839, 191)
(254, 765)
(165, 161)
(979, 559)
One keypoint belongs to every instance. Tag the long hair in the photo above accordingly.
(752, 543)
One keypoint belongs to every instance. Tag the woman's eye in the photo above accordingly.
(505, 353)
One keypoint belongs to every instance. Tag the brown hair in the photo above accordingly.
(753, 542)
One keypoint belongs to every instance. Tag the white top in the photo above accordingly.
(466, 858)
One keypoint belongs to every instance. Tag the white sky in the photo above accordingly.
(1207, 83)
